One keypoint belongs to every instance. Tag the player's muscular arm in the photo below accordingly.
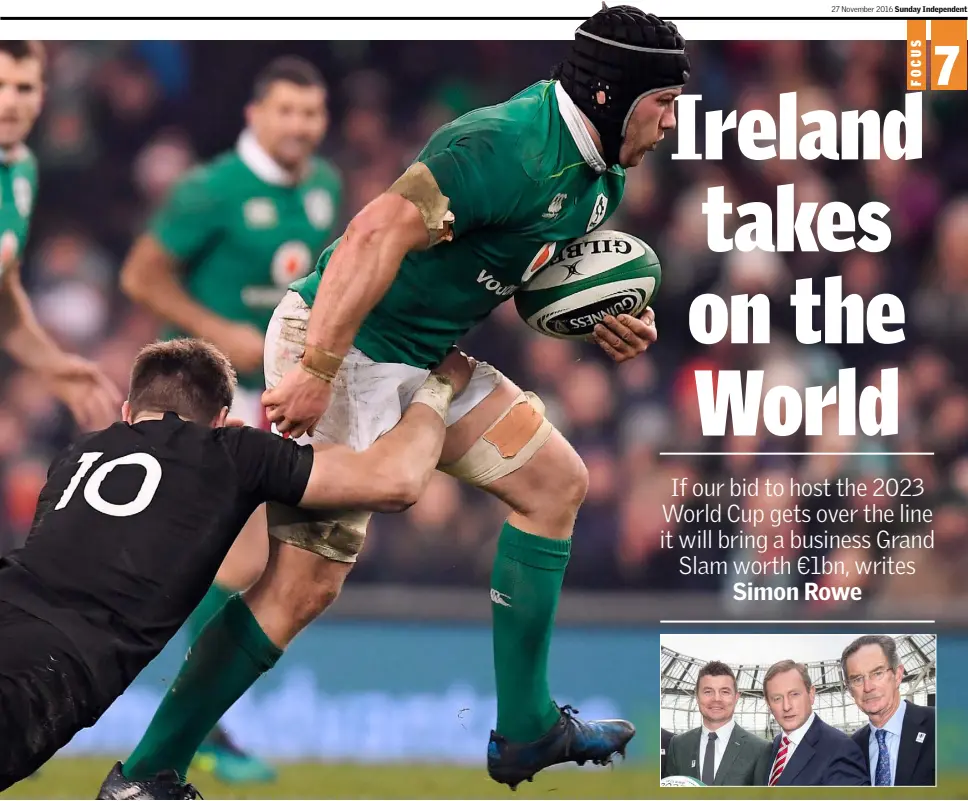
(362, 268)
(358, 275)
(392, 473)
(151, 277)
(387, 477)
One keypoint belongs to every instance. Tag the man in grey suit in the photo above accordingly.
(720, 752)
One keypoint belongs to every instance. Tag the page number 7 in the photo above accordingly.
(950, 54)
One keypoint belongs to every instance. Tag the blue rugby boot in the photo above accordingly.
(228, 763)
(570, 740)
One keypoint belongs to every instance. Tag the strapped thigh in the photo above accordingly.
(336, 534)
(508, 444)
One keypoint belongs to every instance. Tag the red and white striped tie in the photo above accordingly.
(780, 762)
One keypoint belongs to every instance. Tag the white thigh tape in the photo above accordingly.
(437, 393)
(507, 445)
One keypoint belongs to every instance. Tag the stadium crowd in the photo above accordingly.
(125, 120)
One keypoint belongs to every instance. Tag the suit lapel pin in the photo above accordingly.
(693, 764)
(920, 738)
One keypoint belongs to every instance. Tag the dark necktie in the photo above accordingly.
(882, 774)
(709, 761)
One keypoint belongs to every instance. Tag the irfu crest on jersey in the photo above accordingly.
(598, 212)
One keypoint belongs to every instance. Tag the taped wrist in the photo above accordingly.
(321, 363)
(437, 393)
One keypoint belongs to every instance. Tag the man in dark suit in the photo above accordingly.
(898, 742)
(720, 752)
(666, 739)
(808, 752)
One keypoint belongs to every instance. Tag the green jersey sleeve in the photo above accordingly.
(189, 221)
(483, 179)
(18, 198)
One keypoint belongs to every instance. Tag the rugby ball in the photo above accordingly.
(680, 781)
(602, 273)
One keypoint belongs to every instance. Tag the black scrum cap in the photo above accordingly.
(619, 56)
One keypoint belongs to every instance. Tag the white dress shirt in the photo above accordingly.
(723, 733)
(795, 737)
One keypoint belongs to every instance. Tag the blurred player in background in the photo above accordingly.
(214, 263)
(482, 208)
(91, 397)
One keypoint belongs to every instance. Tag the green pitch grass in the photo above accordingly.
(80, 778)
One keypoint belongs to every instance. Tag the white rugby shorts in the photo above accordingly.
(368, 397)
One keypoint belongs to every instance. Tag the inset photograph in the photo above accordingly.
(802, 710)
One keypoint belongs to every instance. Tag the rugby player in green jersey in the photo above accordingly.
(216, 260)
(480, 211)
(93, 400)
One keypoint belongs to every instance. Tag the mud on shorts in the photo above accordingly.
(368, 399)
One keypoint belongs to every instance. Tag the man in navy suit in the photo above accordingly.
(808, 752)
(898, 743)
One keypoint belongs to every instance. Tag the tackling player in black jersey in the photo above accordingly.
(135, 520)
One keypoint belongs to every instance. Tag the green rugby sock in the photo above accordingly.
(525, 587)
(214, 599)
(227, 658)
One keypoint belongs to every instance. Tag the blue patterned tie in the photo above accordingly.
(882, 776)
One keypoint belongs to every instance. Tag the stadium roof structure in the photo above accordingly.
(834, 704)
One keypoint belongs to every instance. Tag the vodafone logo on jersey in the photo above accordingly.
(542, 259)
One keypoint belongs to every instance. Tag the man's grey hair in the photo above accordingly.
(887, 645)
